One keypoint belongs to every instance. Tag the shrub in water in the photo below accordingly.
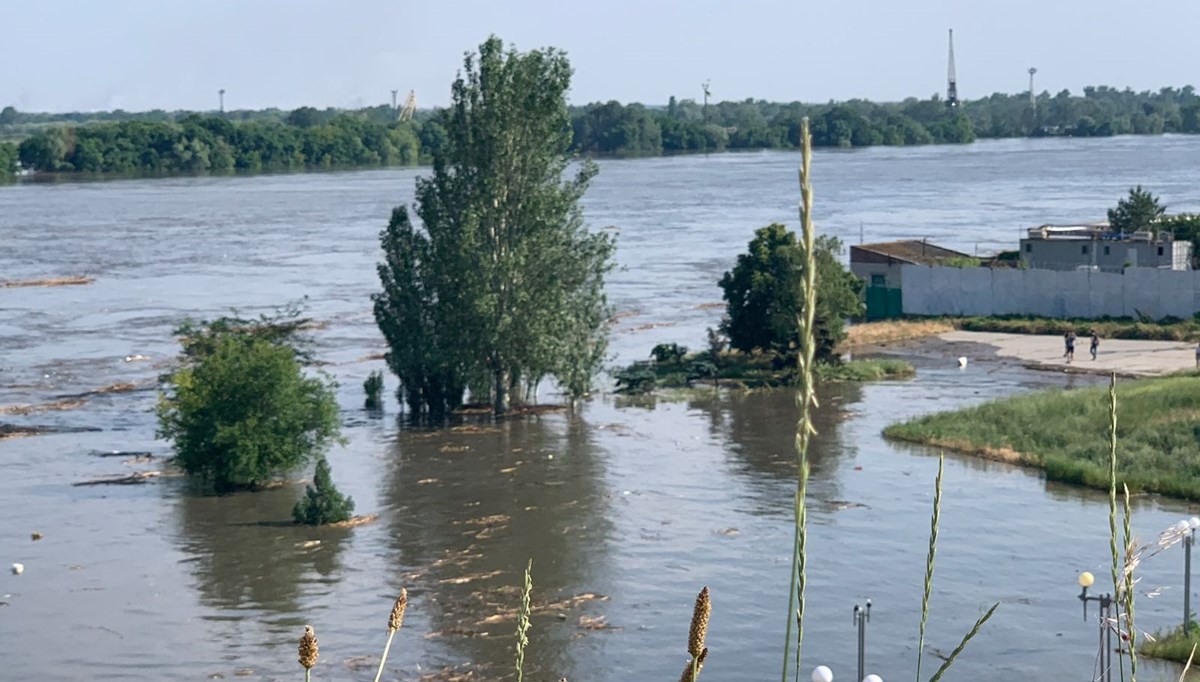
(665, 353)
(322, 502)
(242, 410)
(373, 387)
(636, 378)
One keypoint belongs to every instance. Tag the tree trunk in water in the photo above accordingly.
(500, 406)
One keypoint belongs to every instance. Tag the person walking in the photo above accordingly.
(1095, 343)
(1070, 347)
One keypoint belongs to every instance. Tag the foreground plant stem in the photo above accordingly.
(806, 400)
(933, 535)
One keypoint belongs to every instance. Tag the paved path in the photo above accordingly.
(1116, 355)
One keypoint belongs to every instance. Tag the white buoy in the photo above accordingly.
(18, 569)
(822, 674)
(962, 362)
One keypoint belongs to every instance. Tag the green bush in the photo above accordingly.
(373, 387)
(636, 378)
(322, 502)
(241, 409)
(665, 353)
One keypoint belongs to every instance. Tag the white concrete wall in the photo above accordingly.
(1049, 293)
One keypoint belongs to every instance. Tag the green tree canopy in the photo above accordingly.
(763, 294)
(502, 285)
(241, 409)
(1139, 211)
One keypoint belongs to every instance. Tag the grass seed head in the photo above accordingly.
(308, 648)
(699, 629)
(397, 617)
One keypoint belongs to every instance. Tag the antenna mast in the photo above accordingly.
(706, 94)
(1032, 97)
(951, 80)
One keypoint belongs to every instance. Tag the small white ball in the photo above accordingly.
(18, 569)
(1194, 522)
(1183, 526)
(872, 678)
(822, 674)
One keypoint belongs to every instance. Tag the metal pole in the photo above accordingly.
(1108, 647)
(1188, 541)
(861, 616)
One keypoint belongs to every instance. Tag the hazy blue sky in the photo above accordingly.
(144, 54)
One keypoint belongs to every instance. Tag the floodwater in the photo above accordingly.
(626, 509)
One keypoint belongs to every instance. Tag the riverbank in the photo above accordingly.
(1065, 434)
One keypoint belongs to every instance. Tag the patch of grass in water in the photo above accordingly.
(1065, 434)
(1174, 645)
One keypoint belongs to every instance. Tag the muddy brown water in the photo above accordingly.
(626, 508)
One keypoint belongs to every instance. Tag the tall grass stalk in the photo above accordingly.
(933, 535)
(1130, 565)
(523, 621)
(962, 645)
(806, 400)
(1112, 503)
(395, 621)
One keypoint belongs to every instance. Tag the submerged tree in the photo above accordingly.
(763, 294)
(241, 409)
(322, 502)
(1139, 211)
(501, 285)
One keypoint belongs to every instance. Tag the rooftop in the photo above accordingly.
(913, 251)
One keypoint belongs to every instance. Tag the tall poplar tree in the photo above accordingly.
(501, 285)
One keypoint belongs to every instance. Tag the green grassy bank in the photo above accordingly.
(746, 371)
(1066, 434)
(1174, 645)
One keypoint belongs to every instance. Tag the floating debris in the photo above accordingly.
(135, 478)
(35, 536)
(51, 282)
(596, 623)
(18, 569)
(136, 358)
(13, 431)
(463, 580)
(55, 406)
(354, 521)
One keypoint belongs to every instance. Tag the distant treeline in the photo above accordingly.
(271, 139)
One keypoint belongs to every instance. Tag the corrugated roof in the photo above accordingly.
(910, 250)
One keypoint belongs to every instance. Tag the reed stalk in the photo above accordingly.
(933, 535)
(523, 621)
(395, 620)
(806, 400)
(962, 645)
(1112, 499)
(1130, 551)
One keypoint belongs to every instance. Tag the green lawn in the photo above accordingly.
(1065, 433)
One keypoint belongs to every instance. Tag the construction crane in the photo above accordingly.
(951, 80)
(410, 106)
